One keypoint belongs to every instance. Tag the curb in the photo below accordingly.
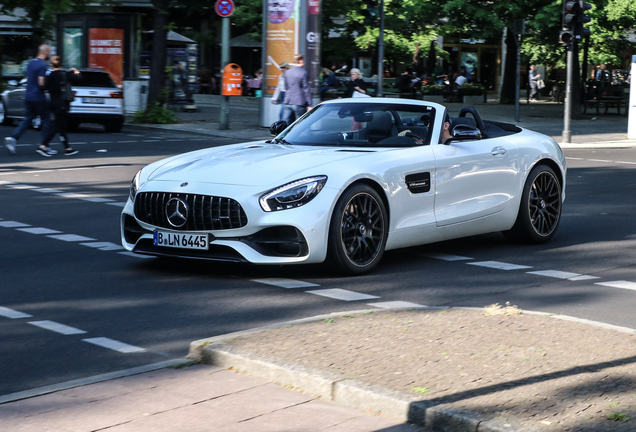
(352, 392)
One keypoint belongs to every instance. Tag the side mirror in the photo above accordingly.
(278, 127)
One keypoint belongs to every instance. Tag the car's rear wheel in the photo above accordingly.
(114, 126)
(358, 231)
(3, 116)
(540, 209)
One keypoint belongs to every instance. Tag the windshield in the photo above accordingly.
(363, 124)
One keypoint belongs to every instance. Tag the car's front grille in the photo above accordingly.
(204, 212)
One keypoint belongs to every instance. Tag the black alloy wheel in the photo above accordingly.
(358, 230)
(540, 210)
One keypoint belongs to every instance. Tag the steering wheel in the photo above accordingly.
(418, 139)
(476, 116)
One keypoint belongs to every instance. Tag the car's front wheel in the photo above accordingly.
(540, 209)
(358, 230)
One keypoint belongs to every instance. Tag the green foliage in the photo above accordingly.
(433, 89)
(472, 89)
(157, 114)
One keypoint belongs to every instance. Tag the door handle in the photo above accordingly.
(498, 151)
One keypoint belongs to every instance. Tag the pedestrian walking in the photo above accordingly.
(58, 83)
(356, 86)
(533, 79)
(34, 100)
(279, 93)
(298, 91)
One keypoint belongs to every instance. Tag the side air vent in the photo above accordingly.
(419, 182)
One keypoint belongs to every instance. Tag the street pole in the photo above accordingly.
(224, 123)
(381, 51)
(567, 113)
(631, 123)
(517, 77)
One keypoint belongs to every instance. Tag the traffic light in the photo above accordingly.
(371, 13)
(572, 24)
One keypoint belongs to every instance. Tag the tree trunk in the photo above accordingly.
(508, 87)
(159, 46)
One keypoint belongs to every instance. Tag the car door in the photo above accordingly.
(15, 102)
(474, 179)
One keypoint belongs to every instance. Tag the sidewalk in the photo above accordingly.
(544, 117)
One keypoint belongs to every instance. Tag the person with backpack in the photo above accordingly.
(58, 83)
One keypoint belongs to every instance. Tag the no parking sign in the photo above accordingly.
(224, 8)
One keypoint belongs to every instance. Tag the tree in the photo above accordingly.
(159, 46)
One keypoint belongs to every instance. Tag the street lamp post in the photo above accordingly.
(381, 51)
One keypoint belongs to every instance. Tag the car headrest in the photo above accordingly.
(380, 124)
(463, 121)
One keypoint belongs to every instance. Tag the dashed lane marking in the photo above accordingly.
(39, 230)
(285, 283)
(97, 199)
(446, 257)
(619, 284)
(562, 275)
(13, 224)
(57, 327)
(499, 265)
(51, 191)
(134, 255)
(112, 344)
(116, 204)
(341, 294)
(21, 186)
(397, 305)
(13, 314)
(71, 238)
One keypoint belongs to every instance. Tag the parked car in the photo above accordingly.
(97, 100)
(347, 181)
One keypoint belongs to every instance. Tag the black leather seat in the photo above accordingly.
(380, 127)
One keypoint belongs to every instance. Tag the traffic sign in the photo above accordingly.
(224, 8)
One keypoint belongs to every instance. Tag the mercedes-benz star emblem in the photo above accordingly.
(177, 212)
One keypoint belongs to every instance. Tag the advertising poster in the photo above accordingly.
(73, 47)
(280, 38)
(106, 51)
(312, 42)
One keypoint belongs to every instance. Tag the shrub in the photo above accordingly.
(472, 89)
(157, 114)
(433, 89)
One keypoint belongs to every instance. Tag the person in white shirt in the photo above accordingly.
(460, 80)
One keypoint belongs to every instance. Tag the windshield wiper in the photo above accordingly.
(281, 141)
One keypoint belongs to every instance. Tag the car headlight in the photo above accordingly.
(292, 195)
(134, 186)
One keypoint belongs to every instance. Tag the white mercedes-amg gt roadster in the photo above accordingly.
(347, 181)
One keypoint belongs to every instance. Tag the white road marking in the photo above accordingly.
(619, 284)
(13, 224)
(134, 255)
(114, 345)
(127, 142)
(341, 294)
(12, 314)
(583, 277)
(555, 274)
(104, 246)
(71, 238)
(21, 186)
(57, 327)
(116, 204)
(498, 265)
(397, 305)
(102, 142)
(600, 160)
(150, 141)
(72, 195)
(39, 230)
(446, 257)
(285, 283)
(5, 183)
(623, 162)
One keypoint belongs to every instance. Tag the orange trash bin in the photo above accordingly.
(232, 80)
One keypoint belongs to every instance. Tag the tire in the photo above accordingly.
(114, 126)
(540, 209)
(358, 231)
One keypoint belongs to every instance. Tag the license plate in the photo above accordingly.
(94, 100)
(181, 240)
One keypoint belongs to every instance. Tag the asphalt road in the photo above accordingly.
(73, 304)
